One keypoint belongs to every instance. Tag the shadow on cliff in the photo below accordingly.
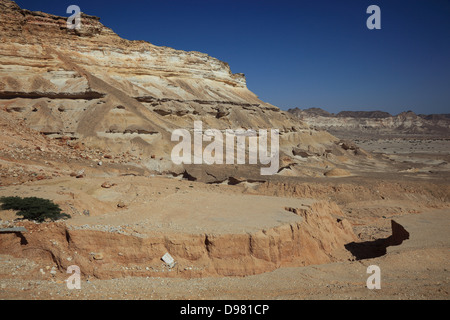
(377, 248)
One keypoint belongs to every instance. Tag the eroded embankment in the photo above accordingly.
(319, 238)
(424, 194)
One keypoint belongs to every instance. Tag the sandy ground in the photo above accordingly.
(156, 204)
(406, 146)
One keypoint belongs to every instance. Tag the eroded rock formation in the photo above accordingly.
(128, 96)
(320, 237)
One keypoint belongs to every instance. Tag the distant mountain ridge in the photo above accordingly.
(350, 123)
(364, 114)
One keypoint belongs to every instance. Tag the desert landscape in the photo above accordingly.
(86, 119)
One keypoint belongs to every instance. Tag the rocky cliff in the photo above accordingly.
(120, 96)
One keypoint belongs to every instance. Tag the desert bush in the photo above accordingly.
(33, 208)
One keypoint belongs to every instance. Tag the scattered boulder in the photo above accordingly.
(301, 152)
(348, 145)
(97, 256)
(80, 174)
(316, 150)
(108, 185)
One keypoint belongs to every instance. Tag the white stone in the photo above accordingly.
(167, 258)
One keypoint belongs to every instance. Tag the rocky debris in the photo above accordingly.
(27, 155)
(97, 256)
(80, 174)
(108, 185)
(348, 145)
(301, 152)
(53, 271)
(297, 211)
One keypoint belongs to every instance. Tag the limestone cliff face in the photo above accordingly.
(125, 96)
(41, 58)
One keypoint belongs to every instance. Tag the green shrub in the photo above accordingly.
(33, 208)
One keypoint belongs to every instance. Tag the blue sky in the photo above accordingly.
(302, 53)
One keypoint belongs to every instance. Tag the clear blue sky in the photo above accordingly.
(302, 53)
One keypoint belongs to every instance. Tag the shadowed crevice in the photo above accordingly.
(378, 248)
